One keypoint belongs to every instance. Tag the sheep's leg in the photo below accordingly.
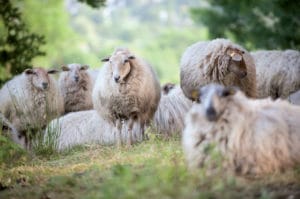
(130, 126)
(142, 123)
(119, 131)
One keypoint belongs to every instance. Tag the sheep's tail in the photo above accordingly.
(14, 134)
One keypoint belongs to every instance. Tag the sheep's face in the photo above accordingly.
(214, 99)
(76, 72)
(167, 88)
(120, 66)
(236, 63)
(39, 77)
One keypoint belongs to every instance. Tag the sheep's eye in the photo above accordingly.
(226, 92)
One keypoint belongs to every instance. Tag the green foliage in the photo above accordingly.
(18, 46)
(255, 24)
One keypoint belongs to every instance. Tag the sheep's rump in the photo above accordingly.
(278, 73)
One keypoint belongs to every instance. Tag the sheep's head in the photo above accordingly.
(214, 99)
(120, 64)
(234, 62)
(166, 88)
(75, 72)
(39, 77)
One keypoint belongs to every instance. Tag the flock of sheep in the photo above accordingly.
(216, 104)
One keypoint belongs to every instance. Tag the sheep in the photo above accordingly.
(30, 100)
(76, 85)
(254, 136)
(166, 88)
(171, 111)
(277, 72)
(126, 89)
(84, 127)
(217, 61)
(11, 130)
(294, 98)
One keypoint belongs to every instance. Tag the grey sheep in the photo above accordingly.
(30, 100)
(253, 136)
(126, 90)
(294, 98)
(85, 127)
(76, 85)
(169, 117)
(217, 61)
(277, 72)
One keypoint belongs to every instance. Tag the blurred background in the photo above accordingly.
(50, 33)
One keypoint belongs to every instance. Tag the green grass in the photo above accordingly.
(152, 169)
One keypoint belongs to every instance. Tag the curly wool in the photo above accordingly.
(201, 64)
(254, 136)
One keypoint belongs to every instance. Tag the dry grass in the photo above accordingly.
(153, 169)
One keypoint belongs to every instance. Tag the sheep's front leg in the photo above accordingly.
(130, 126)
(119, 132)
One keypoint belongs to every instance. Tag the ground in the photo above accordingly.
(153, 169)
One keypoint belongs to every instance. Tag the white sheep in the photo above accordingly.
(277, 72)
(217, 61)
(76, 85)
(127, 89)
(85, 127)
(30, 100)
(171, 111)
(254, 136)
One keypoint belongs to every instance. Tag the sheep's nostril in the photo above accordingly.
(76, 78)
(116, 78)
(211, 114)
(45, 85)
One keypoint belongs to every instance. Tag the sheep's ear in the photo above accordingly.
(84, 67)
(105, 59)
(65, 68)
(29, 71)
(195, 95)
(236, 56)
(52, 71)
(131, 57)
(231, 90)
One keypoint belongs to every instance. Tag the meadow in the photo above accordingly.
(154, 168)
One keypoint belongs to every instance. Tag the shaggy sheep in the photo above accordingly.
(126, 89)
(277, 73)
(30, 100)
(85, 127)
(76, 86)
(294, 98)
(166, 88)
(253, 136)
(171, 111)
(217, 61)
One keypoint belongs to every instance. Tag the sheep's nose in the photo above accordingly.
(76, 78)
(211, 114)
(45, 85)
(117, 78)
